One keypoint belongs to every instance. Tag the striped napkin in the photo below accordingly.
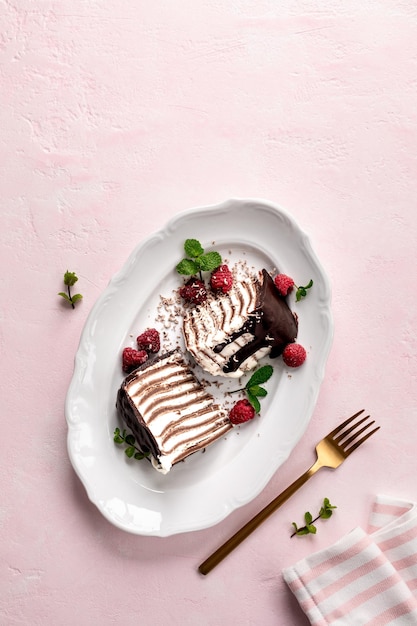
(365, 577)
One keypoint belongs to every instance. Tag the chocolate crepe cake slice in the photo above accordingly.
(169, 411)
(228, 335)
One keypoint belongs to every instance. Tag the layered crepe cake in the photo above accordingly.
(227, 335)
(169, 411)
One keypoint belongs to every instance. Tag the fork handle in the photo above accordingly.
(256, 521)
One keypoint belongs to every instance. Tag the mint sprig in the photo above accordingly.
(131, 450)
(302, 291)
(193, 248)
(253, 387)
(325, 512)
(197, 261)
(70, 278)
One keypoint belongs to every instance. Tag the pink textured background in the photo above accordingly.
(116, 115)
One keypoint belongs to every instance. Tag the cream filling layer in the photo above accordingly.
(215, 321)
(176, 409)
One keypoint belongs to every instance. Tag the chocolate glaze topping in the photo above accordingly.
(132, 417)
(272, 324)
(145, 440)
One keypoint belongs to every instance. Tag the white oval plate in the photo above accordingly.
(205, 488)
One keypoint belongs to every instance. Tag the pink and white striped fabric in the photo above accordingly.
(365, 577)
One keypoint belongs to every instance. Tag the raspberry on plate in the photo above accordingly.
(131, 359)
(241, 412)
(294, 355)
(149, 340)
(221, 279)
(194, 291)
(284, 284)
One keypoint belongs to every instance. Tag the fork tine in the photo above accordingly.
(339, 428)
(347, 432)
(360, 441)
(345, 443)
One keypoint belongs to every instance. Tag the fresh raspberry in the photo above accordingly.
(149, 340)
(241, 412)
(221, 279)
(132, 358)
(284, 284)
(294, 355)
(194, 291)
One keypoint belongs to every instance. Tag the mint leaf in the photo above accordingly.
(193, 248)
(117, 438)
(131, 450)
(197, 260)
(302, 291)
(253, 387)
(140, 455)
(188, 267)
(70, 278)
(260, 376)
(326, 511)
(254, 401)
(205, 263)
(210, 261)
(256, 390)
(300, 531)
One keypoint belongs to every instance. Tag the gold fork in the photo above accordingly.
(331, 452)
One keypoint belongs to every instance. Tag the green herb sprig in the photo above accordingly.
(325, 512)
(122, 437)
(302, 291)
(70, 278)
(253, 387)
(197, 261)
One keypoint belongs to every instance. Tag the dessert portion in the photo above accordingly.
(229, 334)
(230, 321)
(169, 411)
